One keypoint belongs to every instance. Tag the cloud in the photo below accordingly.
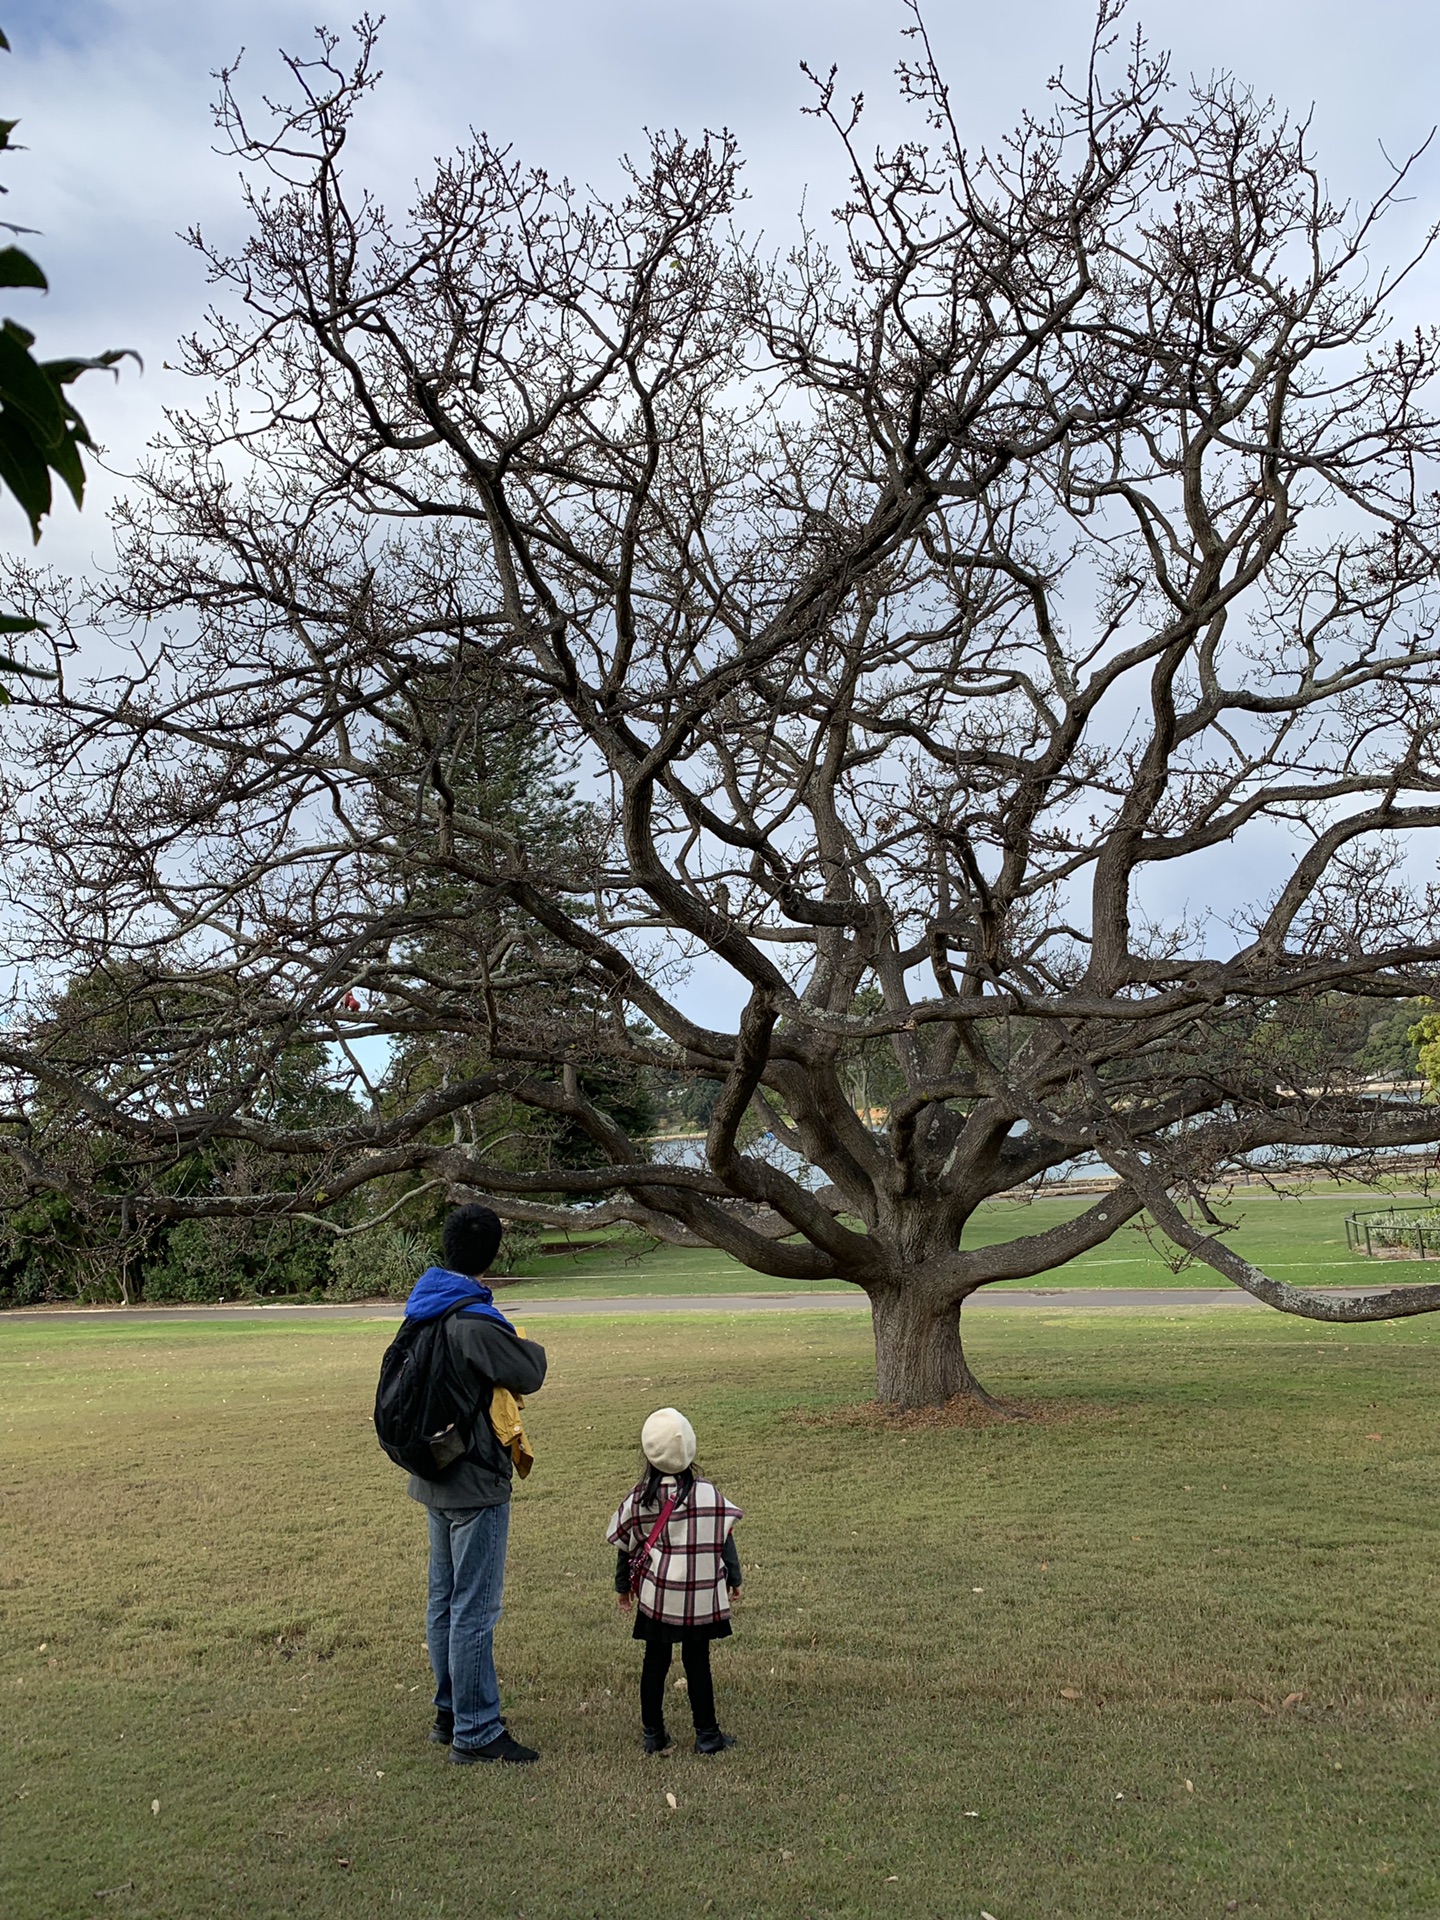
(114, 101)
(114, 97)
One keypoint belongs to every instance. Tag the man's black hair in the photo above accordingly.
(470, 1239)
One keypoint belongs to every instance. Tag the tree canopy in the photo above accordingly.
(933, 618)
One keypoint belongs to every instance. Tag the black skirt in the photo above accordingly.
(648, 1628)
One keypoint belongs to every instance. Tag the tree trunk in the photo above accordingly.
(919, 1361)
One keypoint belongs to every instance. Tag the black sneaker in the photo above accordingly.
(713, 1741)
(443, 1731)
(657, 1740)
(502, 1747)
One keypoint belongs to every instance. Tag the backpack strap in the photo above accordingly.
(451, 1446)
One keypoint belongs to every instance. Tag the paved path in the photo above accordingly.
(1057, 1299)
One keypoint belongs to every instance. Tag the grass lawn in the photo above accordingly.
(1024, 1670)
(1298, 1235)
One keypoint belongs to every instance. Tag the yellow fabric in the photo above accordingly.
(509, 1430)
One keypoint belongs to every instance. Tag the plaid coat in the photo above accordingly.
(684, 1584)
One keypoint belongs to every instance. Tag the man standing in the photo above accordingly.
(470, 1507)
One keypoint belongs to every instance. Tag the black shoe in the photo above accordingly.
(443, 1731)
(502, 1747)
(657, 1740)
(713, 1741)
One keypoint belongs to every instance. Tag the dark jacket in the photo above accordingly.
(486, 1355)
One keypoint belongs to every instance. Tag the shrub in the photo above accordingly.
(229, 1259)
(382, 1264)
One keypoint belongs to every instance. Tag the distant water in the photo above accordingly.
(690, 1152)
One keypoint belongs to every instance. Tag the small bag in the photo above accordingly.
(640, 1559)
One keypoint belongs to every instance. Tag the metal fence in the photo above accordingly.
(1395, 1233)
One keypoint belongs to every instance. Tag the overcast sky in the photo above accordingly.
(113, 98)
(114, 102)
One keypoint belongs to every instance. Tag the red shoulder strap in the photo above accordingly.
(638, 1560)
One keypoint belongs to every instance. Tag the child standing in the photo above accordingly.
(678, 1565)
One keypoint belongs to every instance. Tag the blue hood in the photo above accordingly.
(437, 1290)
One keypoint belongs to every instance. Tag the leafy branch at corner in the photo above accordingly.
(41, 433)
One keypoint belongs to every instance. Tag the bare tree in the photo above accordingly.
(1047, 540)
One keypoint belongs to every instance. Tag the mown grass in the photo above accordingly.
(212, 1588)
(1298, 1234)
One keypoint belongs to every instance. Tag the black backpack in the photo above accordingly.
(423, 1415)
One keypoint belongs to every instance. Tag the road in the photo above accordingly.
(1055, 1299)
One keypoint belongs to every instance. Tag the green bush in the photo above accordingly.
(519, 1243)
(208, 1260)
(47, 1253)
(383, 1264)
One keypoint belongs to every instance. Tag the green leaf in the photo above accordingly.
(14, 623)
(65, 459)
(17, 332)
(75, 425)
(4, 43)
(30, 390)
(23, 468)
(17, 269)
(7, 665)
(67, 370)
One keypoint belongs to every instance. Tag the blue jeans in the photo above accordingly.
(467, 1579)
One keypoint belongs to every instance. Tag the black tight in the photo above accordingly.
(695, 1655)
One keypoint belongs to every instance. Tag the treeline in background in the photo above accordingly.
(373, 1244)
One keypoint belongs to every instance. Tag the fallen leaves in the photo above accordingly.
(154, 1806)
(1291, 1700)
(671, 1801)
(1071, 1693)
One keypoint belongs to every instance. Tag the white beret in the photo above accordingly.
(667, 1440)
